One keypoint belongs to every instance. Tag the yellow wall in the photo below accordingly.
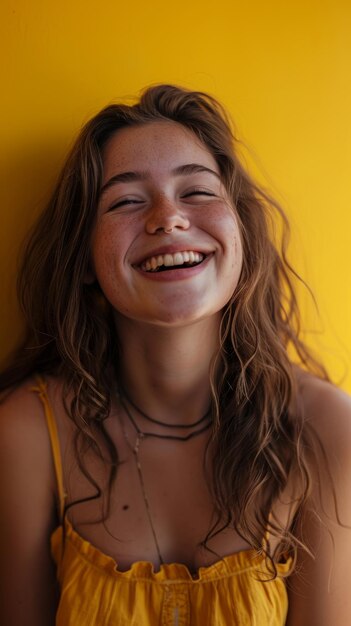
(281, 67)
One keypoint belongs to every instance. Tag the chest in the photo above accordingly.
(161, 507)
(160, 503)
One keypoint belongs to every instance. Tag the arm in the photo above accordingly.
(320, 589)
(27, 514)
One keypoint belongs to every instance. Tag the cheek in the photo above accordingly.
(99, 251)
(226, 229)
(104, 263)
(233, 228)
(238, 250)
(108, 246)
(233, 247)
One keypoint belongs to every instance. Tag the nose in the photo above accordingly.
(164, 216)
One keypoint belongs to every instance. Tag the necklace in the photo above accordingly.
(175, 437)
(140, 436)
(154, 421)
(135, 450)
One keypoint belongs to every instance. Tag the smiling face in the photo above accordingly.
(166, 246)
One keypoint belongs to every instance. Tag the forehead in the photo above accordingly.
(162, 145)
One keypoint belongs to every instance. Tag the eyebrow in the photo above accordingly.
(128, 177)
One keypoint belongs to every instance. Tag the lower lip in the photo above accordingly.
(179, 274)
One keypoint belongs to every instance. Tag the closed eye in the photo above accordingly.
(198, 192)
(132, 201)
(125, 202)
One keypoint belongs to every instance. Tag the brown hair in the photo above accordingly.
(258, 424)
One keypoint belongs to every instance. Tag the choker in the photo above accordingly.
(155, 421)
(142, 435)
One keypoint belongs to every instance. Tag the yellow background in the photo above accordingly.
(281, 68)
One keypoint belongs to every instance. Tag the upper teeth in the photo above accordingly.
(154, 262)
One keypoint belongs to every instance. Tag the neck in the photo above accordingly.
(165, 371)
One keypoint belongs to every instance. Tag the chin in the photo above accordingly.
(178, 319)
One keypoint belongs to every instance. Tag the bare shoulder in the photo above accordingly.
(327, 410)
(327, 413)
(20, 400)
(27, 510)
(23, 428)
(26, 459)
(319, 587)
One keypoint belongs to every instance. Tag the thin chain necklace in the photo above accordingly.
(140, 436)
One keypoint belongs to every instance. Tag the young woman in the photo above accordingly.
(154, 429)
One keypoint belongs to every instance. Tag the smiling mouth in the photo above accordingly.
(166, 262)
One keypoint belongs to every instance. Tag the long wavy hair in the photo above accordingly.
(258, 425)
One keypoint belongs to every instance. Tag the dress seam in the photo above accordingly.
(117, 575)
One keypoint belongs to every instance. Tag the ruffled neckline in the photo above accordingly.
(234, 564)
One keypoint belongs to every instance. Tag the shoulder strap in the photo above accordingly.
(40, 389)
(267, 534)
